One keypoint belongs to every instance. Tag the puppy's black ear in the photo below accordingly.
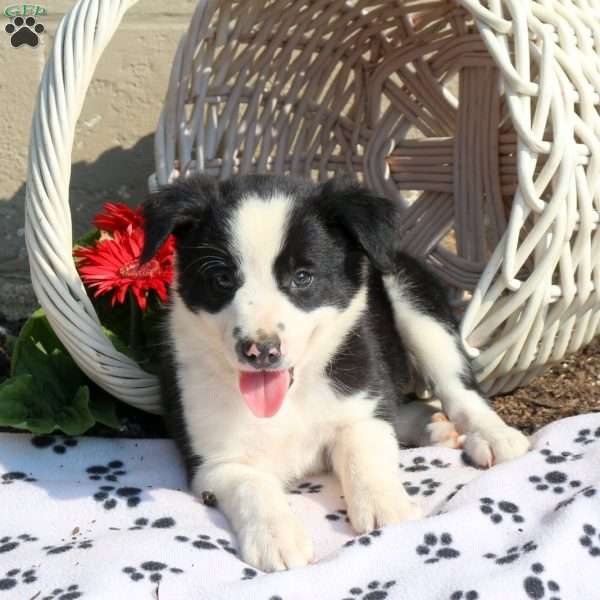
(371, 221)
(172, 207)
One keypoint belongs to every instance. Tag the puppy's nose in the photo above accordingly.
(261, 354)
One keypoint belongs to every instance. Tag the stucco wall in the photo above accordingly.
(113, 154)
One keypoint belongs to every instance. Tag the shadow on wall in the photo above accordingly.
(118, 175)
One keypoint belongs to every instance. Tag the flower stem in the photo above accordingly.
(135, 324)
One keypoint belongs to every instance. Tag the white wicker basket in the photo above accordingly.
(499, 180)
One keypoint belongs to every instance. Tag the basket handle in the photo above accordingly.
(80, 40)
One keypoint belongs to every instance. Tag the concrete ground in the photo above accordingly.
(113, 150)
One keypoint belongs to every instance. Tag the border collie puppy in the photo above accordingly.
(293, 332)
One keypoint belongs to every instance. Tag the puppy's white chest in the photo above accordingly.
(291, 444)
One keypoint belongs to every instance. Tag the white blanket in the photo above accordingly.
(97, 518)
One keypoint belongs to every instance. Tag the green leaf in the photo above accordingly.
(103, 407)
(37, 330)
(22, 406)
(47, 390)
(14, 393)
(89, 238)
(75, 417)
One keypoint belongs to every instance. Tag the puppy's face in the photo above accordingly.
(267, 266)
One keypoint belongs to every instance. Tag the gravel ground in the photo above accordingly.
(569, 388)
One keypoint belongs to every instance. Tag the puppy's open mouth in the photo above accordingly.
(264, 391)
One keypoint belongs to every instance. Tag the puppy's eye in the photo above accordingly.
(302, 279)
(225, 280)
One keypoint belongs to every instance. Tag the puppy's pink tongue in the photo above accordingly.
(264, 391)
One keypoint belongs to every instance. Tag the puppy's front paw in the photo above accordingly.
(373, 507)
(494, 445)
(442, 432)
(276, 543)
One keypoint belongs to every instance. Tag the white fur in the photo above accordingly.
(487, 437)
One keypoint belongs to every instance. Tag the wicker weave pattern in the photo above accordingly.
(479, 117)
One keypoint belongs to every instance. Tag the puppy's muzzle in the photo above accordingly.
(260, 354)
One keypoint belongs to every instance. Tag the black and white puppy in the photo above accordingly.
(293, 329)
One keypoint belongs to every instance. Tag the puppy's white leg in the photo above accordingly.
(271, 537)
(365, 457)
(435, 347)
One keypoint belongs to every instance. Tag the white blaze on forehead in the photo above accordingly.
(258, 230)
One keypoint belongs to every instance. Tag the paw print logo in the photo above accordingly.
(555, 459)
(587, 436)
(24, 31)
(556, 481)
(587, 492)
(512, 554)
(535, 586)
(205, 542)
(82, 545)
(427, 487)
(375, 591)
(460, 595)
(110, 496)
(498, 512)
(110, 472)
(70, 593)
(14, 577)
(437, 548)
(338, 515)
(590, 540)
(364, 540)
(152, 569)
(12, 476)
(307, 488)
(59, 444)
(8, 543)
(419, 463)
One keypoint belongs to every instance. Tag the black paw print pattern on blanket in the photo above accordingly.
(71, 592)
(500, 530)
(591, 540)
(512, 554)
(58, 444)
(14, 476)
(374, 590)
(17, 577)
(437, 547)
(9, 543)
(420, 463)
(537, 586)
(498, 511)
(364, 540)
(154, 570)
(206, 542)
(554, 481)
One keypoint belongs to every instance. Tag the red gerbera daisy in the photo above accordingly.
(118, 217)
(112, 265)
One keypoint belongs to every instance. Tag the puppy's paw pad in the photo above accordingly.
(442, 432)
(276, 544)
